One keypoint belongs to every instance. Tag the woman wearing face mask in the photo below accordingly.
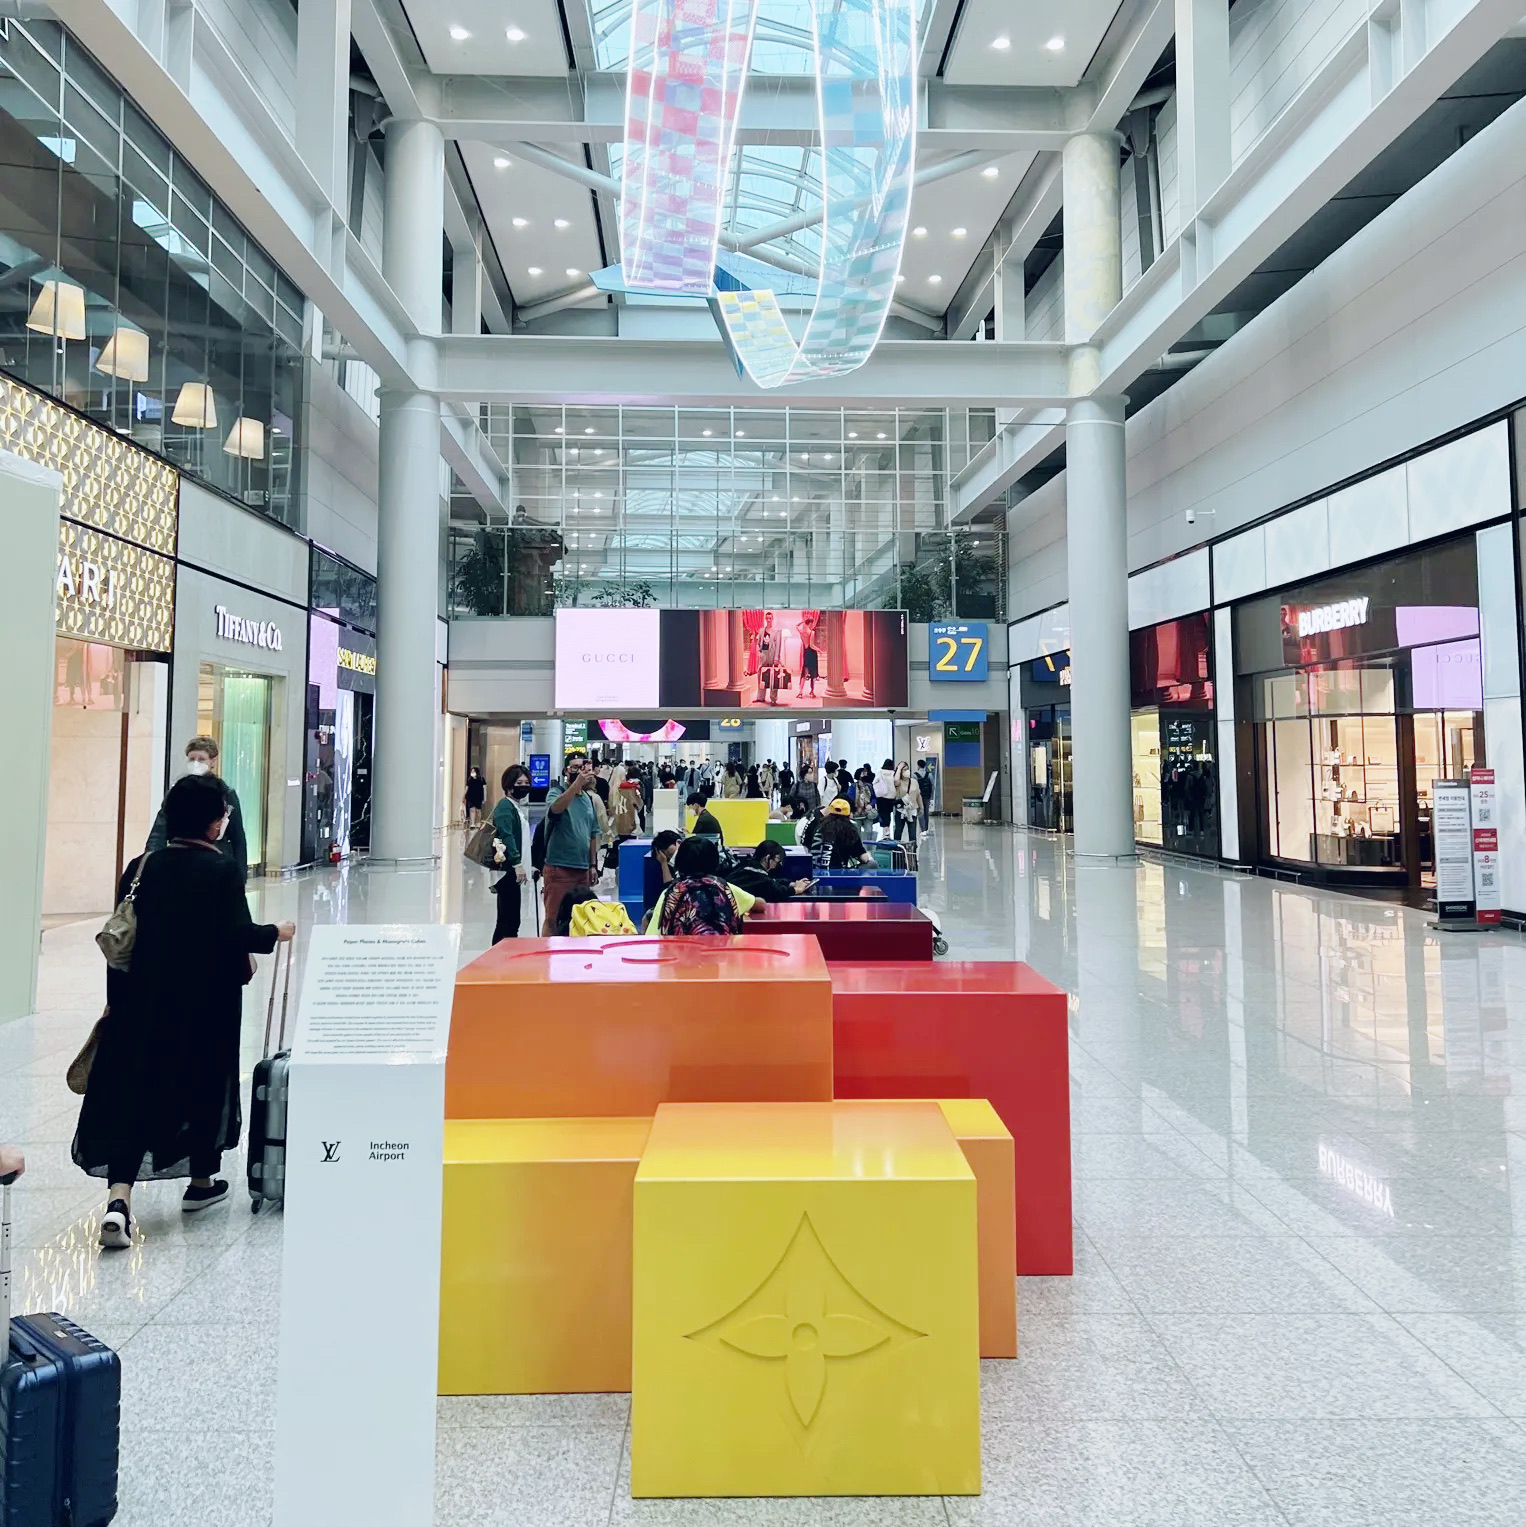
(163, 1095)
(201, 758)
(513, 832)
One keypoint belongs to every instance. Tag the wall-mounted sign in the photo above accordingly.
(356, 662)
(956, 652)
(574, 737)
(730, 723)
(540, 771)
(108, 590)
(250, 633)
(1331, 617)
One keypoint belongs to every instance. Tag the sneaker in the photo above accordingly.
(116, 1226)
(196, 1199)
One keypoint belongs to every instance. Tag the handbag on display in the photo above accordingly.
(120, 931)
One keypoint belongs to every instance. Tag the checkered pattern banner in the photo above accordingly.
(688, 62)
(684, 99)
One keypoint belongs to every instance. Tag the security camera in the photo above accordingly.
(1192, 516)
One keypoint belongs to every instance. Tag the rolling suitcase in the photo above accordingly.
(267, 1101)
(60, 1412)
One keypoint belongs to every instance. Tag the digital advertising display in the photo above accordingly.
(733, 660)
(607, 660)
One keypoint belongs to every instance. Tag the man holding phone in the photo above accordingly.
(572, 837)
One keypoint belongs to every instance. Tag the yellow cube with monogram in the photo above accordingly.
(806, 1310)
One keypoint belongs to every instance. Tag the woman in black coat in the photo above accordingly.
(163, 1097)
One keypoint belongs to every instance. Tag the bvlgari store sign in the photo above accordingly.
(115, 581)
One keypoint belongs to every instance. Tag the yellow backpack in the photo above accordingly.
(593, 918)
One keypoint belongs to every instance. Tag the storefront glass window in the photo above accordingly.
(234, 708)
(1381, 694)
(140, 301)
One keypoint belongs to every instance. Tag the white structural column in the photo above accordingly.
(408, 531)
(1202, 102)
(1096, 509)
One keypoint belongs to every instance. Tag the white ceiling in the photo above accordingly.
(487, 49)
(540, 197)
(1028, 27)
(972, 201)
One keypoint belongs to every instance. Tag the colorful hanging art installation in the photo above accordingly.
(688, 69)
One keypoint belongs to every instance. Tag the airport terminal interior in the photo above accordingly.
(764, 763)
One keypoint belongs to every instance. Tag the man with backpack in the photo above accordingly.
(568, 837)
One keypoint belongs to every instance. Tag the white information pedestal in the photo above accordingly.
(360, 1276)
(667, 810)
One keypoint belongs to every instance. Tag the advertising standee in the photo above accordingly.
(1486, 858)
(1451, 823)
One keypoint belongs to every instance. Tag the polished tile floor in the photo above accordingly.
(1300, 1160)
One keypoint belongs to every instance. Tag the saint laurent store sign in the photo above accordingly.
(116, 541)
(357, 662)
(248, 633)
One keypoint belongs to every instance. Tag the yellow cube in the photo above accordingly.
(806, 1303)
(535, 1255)
(743, 822)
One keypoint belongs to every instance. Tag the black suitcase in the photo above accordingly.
(267, 1103)
(60, 1415)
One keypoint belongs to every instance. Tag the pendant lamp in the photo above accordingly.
(246, 439)
(125, 355)
(59, 310)
(195, 406)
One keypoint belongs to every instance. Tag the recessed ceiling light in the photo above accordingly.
(1001, 44)
(598, 495)
(535, 270)
(880, 436)
(514, 34)
(500, 163)
(572, 270)
(741, 434)
(919, 233)
(852, 434)
(990, 172)
(707, 433)
(934, 280)
(561, 222)
(589, 430)
(560, 430)
(521, 222)
(458, 33)
(1056, 44)
(960, 233)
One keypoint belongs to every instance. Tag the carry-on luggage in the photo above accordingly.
(60, 1413)
(267, 1101)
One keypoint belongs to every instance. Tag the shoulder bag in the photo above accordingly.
(120, 931)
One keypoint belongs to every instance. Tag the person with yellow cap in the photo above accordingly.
(837, 844)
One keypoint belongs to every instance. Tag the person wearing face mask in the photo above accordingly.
(162, 1099)
(201, 759)
(513, 832)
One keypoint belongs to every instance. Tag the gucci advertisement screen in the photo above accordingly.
(613, 661)
(607, 660)
(802, 660)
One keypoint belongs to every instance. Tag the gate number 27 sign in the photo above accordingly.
(956, 652)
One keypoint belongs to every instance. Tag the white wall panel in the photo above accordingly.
(1048, 632)
(221, 537)
(1275, 48)
(1369, 518)
(1163, 592)
(1224, 664)
(262, 36)
(1499, 616)
(1239, 565)
(1297, 545)
(1165, 135)
(1502, 735)
(1229, 792)
(1460, 484)
(1045, 312)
